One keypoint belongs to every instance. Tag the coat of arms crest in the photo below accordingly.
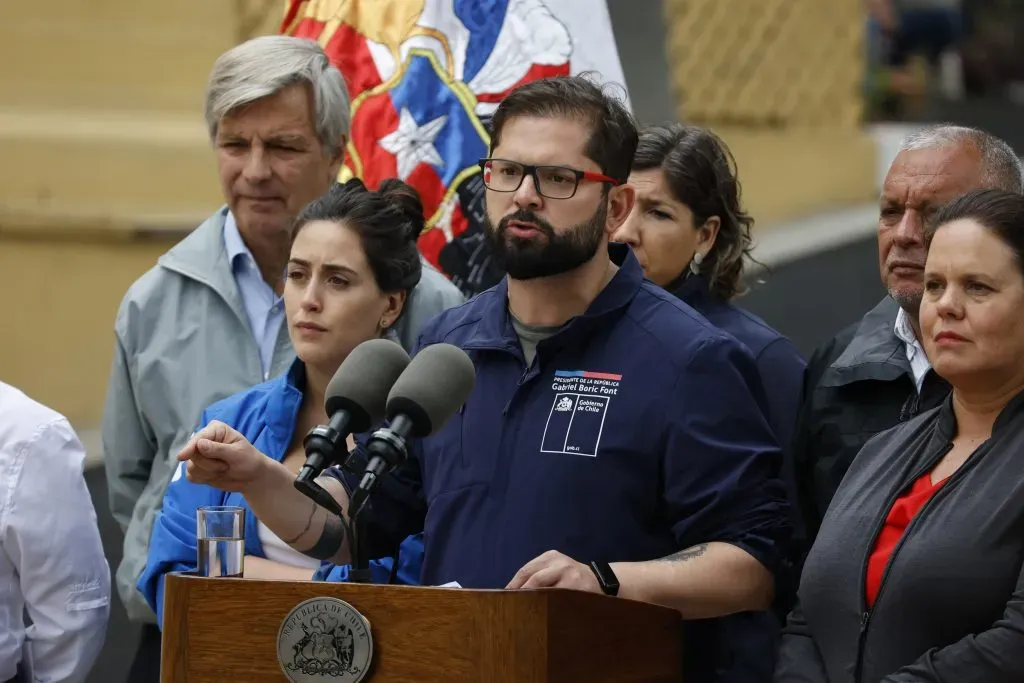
(324, 639)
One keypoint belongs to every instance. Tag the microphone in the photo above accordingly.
(356, 399)
(436, 384)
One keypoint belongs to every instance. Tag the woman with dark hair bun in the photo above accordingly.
(352, 265)
(692, 236)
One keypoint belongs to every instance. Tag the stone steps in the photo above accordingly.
(102, 111)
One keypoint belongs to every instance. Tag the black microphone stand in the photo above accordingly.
(386, 445)
(360, 568)
(322, 446)
(386, 450)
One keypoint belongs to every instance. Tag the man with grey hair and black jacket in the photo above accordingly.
(874, 374)
(206, 321)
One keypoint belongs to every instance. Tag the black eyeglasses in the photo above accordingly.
(553, 182)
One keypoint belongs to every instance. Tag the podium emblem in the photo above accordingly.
(324, 640)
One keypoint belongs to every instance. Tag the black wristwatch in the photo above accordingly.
(606, 577)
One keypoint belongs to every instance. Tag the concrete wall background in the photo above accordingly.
(58, 338)
(640, 38)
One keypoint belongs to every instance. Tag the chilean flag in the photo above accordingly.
(425, 76)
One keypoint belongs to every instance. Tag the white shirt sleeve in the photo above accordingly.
(49, 534)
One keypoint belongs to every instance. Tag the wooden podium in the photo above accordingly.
(228, 630)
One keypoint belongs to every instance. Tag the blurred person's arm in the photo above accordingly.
(128, 447)
(51, 536)
(884, 12)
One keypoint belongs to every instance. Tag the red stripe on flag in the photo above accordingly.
(426, 181)
(459, 221)
(431, 243)
(373, 119)
(348, 51)
(308, 28)
(290, 14)
(536, 72)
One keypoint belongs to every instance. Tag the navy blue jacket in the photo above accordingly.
(747, 643)
(778, 361)
(638, 430)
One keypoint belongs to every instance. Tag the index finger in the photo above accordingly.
(214, 431)
(528, 570)
(545, 578)
(188, 451)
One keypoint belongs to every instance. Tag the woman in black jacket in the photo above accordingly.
(690, 233)
(916, 574)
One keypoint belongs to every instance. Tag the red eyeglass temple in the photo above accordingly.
(601, 178)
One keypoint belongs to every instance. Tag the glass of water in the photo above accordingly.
(220, 531)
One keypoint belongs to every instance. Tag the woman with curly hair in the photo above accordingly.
(690, 233)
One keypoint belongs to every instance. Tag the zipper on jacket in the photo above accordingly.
(865, 615)
(865, 619)
(522, 380)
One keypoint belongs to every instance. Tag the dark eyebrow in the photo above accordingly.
(328, 267)
(341, 270)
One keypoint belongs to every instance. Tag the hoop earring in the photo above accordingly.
(695, 263)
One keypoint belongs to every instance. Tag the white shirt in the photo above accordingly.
(52, 567)
(919, 363)
(277, 550)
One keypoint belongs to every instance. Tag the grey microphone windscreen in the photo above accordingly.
(437, 382)
(363, 380)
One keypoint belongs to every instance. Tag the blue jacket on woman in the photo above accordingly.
(265, 415)
(779, 363)
(748, 642)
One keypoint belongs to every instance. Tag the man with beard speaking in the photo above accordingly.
(615, 441)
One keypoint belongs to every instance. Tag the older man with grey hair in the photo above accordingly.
(874, 374)
(206, 321)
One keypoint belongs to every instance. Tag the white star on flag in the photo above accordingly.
(413, 144)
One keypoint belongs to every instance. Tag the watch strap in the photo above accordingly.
(605, 577)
